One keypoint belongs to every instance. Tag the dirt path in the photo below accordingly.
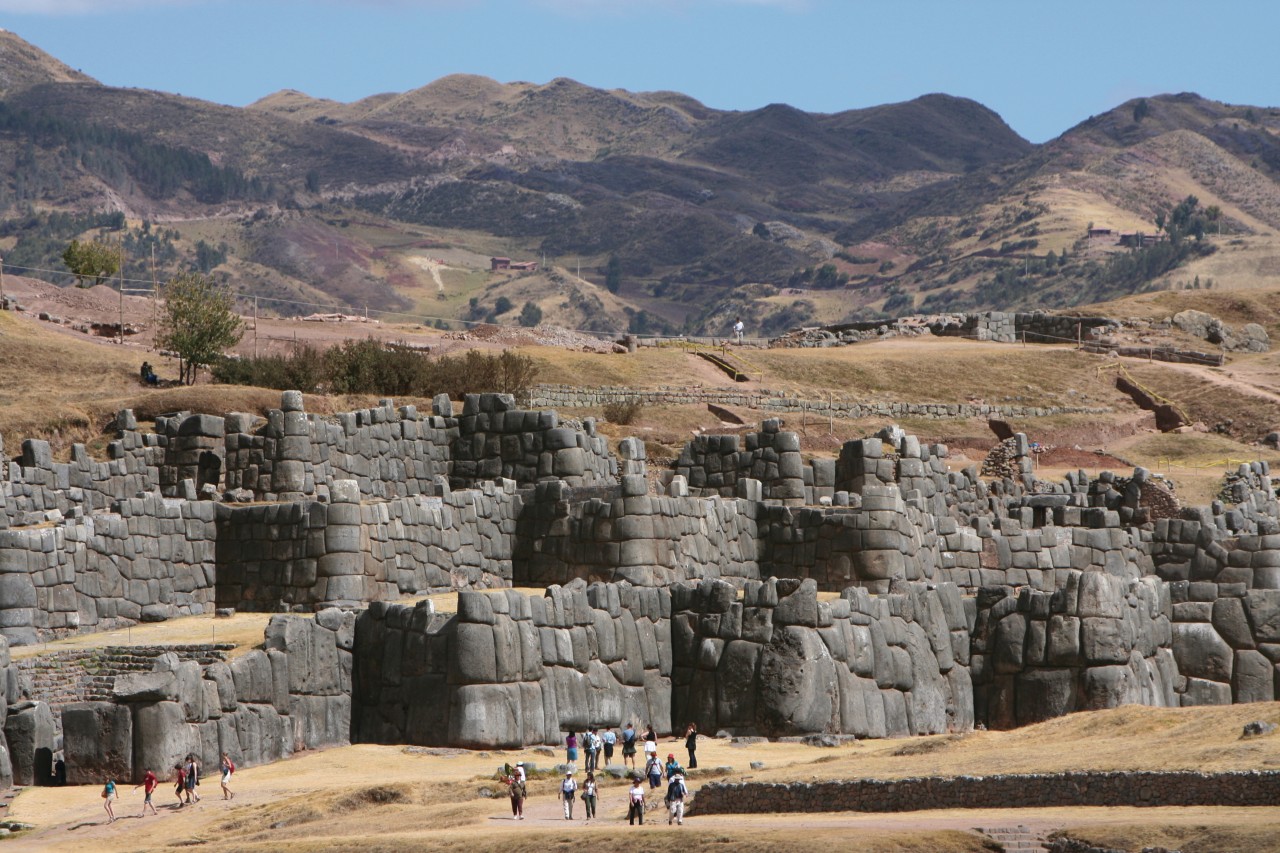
(1220, 376)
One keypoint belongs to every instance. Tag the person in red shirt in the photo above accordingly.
(148, 785)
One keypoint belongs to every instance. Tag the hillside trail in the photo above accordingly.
(1220, 376)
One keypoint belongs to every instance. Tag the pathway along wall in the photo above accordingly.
(1042, 790)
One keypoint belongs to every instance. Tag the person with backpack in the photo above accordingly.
(608, 739)
(517, 790)
(629, 746)
(676, 792)
(592, 749)
(108, 797)
(228, 767)
(653, 769)
(635, 802)
(148, 786)
(589, 795)
(568, 791)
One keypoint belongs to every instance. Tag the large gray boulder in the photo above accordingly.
(160, 686)
(797, 687)
(162, 737)
(30, 732)
(1201, 652)
(97, 742)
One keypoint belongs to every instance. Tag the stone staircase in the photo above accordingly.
(1015, 839)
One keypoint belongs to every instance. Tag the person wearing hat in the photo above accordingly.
(673, 767)
(568, 792)
(635, 802)
(520, 771)
(676, 792)
(518, 791)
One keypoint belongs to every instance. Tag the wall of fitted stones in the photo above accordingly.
(713, 464)
(509, 670)
(290, 695)
(627, 534)
(11, 692)
(1097, 642)
(1041, 790)
(394, 452)
(580, 397)
(151, 558)
(779, 662)
(310, 555)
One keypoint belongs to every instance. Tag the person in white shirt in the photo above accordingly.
(635, 802)
(676, 792)
(738, 328)
(568, 791)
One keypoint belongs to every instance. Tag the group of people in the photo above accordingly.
(595, 743)
(186, 780)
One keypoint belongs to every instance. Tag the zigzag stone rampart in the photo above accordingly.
(879, 593)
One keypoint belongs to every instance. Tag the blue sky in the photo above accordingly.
(1043, 65)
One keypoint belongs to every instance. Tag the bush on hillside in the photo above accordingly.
(623, 412)
(377, 367)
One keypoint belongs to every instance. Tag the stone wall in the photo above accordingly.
(290, 695)
(394, 452)
(1042, 790)
(586, 397)
(1097, 642)
(149, 558)
(714, 464)
(780, 662)
(510, 670)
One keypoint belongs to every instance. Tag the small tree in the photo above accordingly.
(530, 315)
(98, 261)
(198, 322)
(613, 275)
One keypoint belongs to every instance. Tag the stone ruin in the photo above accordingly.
(753, 591)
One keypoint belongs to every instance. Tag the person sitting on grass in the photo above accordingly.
(148, 375)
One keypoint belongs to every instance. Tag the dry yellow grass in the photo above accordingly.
(393, 798)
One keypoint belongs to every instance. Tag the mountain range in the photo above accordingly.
(648, 211)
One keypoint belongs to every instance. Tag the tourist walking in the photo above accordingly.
(589, 795)
(672, 767)
(691, 744)
(179, 782)
(650, 743)
(635, 802)
(517, 790)
(629, 746)
(108, 797)
(227, 767)
(653, 769)
(592, 749)
(571, 751)
(676, 792)
(193, 778)
(148, 785)
(609, 739)
(568, 792)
